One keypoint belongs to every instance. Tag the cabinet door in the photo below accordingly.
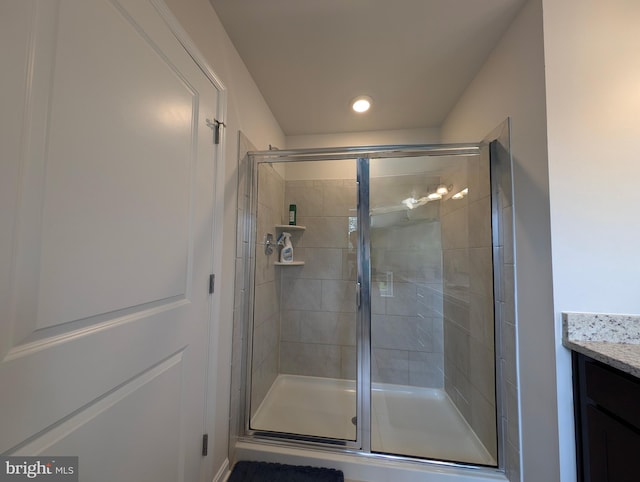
(613, 449)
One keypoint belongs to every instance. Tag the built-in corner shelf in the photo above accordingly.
(290, 227)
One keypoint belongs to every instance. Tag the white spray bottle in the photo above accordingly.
(286, 254)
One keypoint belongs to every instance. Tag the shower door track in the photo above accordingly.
(271, 439)
(341, 153)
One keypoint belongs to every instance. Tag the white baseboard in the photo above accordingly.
(223, 472)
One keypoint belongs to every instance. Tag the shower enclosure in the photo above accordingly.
(380, 337)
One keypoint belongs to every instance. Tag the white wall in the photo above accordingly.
(593, 119)
(248, 112)
(365, 138)
(511, 83)
(593, 100)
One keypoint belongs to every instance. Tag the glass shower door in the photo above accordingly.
(303, 340)
(432, 342)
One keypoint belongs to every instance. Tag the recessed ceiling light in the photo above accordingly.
(361, 103)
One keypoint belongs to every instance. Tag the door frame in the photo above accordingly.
(362, 155)
(215, 303)
(363, 328)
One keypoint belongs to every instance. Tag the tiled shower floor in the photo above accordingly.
(419, 422)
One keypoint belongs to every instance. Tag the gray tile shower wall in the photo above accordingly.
(318, 312)
(406, 265)
(266, 306)
(468, 298)
(504, 289)
(406, 334)
(242, 258)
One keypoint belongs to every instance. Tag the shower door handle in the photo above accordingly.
(358, 294)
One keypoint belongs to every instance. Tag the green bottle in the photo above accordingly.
(292, 214)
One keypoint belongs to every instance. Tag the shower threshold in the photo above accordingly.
(406, 421)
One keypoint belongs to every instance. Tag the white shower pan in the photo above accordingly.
(408, 421)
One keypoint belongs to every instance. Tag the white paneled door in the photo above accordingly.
(106, 247)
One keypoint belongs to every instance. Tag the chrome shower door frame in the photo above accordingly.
(275, 156)
(363, 341)
(362, 444)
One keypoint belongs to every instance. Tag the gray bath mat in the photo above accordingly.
(269, 472)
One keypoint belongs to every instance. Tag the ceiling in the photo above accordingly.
(310, 58)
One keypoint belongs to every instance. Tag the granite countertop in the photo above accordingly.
(611, 339)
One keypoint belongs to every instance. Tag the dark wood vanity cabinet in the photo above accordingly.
(607, 410)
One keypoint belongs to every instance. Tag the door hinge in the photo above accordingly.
(212, 282)
(215, 125)
(205, 444)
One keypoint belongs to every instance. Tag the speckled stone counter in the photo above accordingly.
(611, 339)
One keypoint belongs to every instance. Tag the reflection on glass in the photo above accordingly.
(431, 268)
